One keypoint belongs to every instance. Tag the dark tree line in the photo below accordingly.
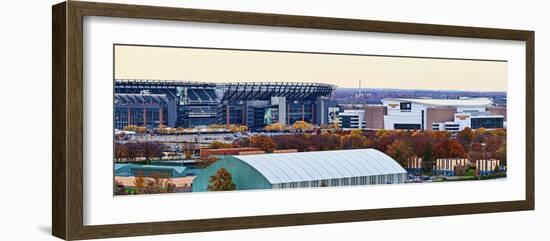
(132, 151)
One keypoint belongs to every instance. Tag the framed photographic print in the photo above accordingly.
(170, 120)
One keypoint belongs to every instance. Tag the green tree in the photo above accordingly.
(465, 137)
(501, 154)
(427, 157)
(221, 181)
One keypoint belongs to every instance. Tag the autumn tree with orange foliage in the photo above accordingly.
(137, 129)
(449, 149)
(221, 181)
(275, 127)
(158, 185)
(401, 151)
(139, 182)
(219, 145)
(263, 142)
(302, 126)
(355, 140)
(237, 128)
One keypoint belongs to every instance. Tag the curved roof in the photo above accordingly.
(162, 83)
(123, 99)
(265, 90)
(447, 102)
(321, 165)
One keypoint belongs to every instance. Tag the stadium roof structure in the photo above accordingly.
(123, 99)
(266, 90)
(322, 165)
(142, 83)
(447, 102)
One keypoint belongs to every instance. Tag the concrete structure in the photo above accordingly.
(487, 167)
(498, 110)
(352, 119)
(448, 166)
(374, 116)
(414, 165)
(306, 169)
(440, 114)
(144, 109)
(195, 103)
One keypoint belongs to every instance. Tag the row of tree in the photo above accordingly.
(400, 145)
(132, 150)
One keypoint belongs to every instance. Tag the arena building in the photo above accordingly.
(442, 114)
(306, 169)
(191, 104)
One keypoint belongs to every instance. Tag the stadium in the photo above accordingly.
(186, 104)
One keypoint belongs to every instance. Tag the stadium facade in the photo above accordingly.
(186, 104)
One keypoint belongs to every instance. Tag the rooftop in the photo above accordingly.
(446, 102)
(322, 165)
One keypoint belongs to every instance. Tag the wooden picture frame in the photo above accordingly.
(67, 137)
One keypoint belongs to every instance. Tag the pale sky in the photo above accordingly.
(345, 71)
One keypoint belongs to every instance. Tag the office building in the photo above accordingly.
(442, 114)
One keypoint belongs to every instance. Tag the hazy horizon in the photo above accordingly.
(344, 71)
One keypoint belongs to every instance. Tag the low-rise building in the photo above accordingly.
(470, 120)
(414, 165)
(448, 166)
(206, 152)
(487, 167)
(136, 170)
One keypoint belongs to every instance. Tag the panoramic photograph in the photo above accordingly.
(192, 119)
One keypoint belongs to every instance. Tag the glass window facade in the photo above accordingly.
(406, 126)
(487, 122)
